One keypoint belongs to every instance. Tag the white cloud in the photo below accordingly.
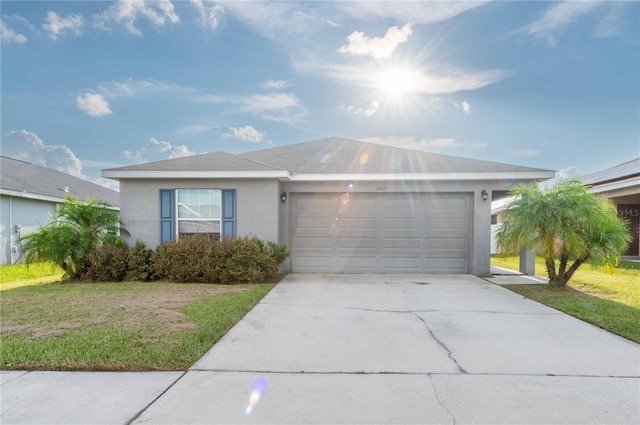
(157, 150)
(209, 14)
(466, 107)
(428, 81)
(126, 12)
(280, 107)
(558, 17)
(139, 88)
(377, 47)
(274, 84)
(247, 133)
(368, 110)
(56, 25)
(418, 12)
(411, 142)
(93, 104)
(27, 146)
(524, 153)
(8, 35)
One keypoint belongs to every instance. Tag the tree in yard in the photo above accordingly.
(76, 229)
(566, 225)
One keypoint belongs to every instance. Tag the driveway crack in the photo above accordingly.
(435, 392)
(440, 343)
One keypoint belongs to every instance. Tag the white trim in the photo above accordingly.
(287, 176)
(28, 195)
(528, 175)
(132, 174)
(615, 185)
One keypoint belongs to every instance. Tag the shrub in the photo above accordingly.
(185, 260)
(105, 263)
(240, 260)
(140, 263)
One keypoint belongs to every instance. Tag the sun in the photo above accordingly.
(396, 82)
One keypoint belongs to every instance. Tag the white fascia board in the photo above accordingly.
(132, 174)
(27, 195)
(530, 175)
(35, 196)
(607, 187)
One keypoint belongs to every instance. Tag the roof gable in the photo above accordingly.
(23, 178)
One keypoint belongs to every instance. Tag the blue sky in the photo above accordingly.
(87, 85)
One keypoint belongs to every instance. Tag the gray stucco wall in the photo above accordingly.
(257, 203)
(261, 213)
(28, 214)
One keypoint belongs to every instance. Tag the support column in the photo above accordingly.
(527, 262)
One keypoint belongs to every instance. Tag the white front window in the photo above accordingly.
(198, 212)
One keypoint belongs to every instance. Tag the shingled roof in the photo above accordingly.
(20, 178)
(325, 157)
(619, 172)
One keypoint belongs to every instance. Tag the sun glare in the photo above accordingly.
(396, 82)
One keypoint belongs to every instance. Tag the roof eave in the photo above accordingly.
(137, 174)
(525, 176)
(38, 197)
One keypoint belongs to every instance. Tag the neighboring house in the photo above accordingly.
(621, 185)
(29, 195)
(341, 206)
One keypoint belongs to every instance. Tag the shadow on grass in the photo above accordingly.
(613, 316)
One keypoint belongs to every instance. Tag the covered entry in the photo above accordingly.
(381, 232)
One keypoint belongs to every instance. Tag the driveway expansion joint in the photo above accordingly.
(137, 415)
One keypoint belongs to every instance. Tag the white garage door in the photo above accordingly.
(381, 232)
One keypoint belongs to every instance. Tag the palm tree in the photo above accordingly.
(566, 225)
(76, 229)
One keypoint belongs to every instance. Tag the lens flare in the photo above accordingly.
(364, 158)
(259, 385)
(345, 198)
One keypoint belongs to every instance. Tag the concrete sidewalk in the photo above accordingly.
(367, 349)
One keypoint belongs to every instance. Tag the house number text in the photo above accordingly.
(381, 188)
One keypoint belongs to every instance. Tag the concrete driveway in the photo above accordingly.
(407, 349)
(327, 349)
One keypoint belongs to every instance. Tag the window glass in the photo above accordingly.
(199, 212)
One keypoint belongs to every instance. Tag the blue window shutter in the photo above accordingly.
(166, 215)
(229, 213)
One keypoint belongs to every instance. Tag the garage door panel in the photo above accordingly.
(397, 223)
(447, 202)
(449, 243)
(446, 223)
(402, 263)
(357, 242)
(311, 222)
(357, 223)
(312, 262)
(447, 265)
(381, 233)
(402, 243)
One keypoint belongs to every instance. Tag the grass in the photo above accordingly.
(15, 275)
(118, 326)
(609, 301)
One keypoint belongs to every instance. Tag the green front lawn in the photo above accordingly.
(15, 275)
(118, 326)
(610, 301)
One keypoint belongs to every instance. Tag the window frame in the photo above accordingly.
(219, 219)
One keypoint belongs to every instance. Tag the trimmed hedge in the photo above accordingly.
(192, 259)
